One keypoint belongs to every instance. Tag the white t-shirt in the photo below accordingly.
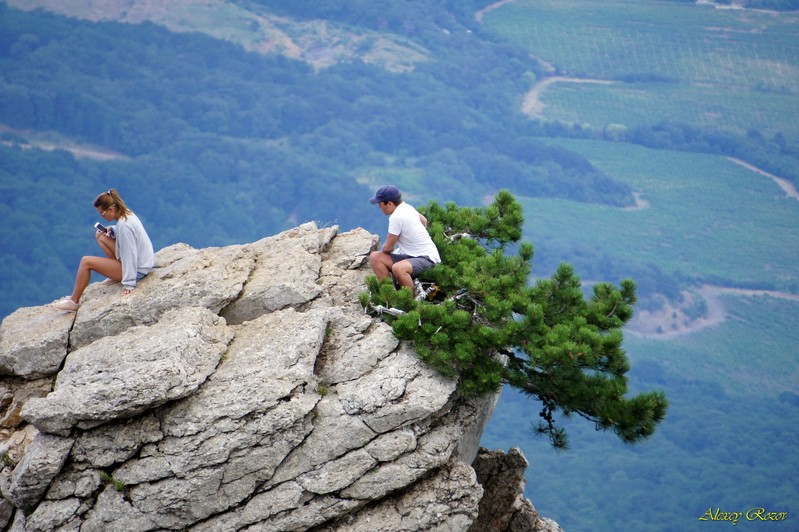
(413, 239)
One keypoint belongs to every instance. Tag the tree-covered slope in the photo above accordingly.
(219, 144)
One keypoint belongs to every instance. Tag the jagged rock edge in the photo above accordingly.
(158, 412)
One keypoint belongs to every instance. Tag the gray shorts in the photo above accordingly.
(419, 264)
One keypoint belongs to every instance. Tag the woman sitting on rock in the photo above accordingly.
(128, 250)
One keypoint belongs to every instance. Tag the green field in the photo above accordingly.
(706, 218)
(640, 104)
(676, 41)
(727, 68)
(754, 351)
(729, 439)
(731, 386)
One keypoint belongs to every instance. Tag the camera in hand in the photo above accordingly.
(101, 227)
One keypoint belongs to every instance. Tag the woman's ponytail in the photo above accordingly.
(111, 198)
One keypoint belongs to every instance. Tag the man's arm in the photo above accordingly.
(423, 220)
(388, 245)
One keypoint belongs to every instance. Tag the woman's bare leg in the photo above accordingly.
(111, 268)
(107, 244)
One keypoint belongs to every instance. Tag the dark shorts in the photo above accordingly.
(419, 264)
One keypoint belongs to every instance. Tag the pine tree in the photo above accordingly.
(494, 328)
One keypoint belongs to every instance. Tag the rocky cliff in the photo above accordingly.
(241, 388)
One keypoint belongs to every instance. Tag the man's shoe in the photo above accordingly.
(66, 304)
(418, 291)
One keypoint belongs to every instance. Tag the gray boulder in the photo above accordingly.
(141, 368)
(33, 342)
(237, 388)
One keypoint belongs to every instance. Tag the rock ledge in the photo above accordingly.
(240, 388)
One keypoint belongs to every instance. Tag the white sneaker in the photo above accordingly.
(418, 291)
(65, 304)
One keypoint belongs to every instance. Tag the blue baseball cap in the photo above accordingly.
(387, 193)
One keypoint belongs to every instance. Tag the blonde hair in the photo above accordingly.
(111, 198)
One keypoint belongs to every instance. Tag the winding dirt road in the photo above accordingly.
(671, 321)
(532, 105)
(481, 13)
(784, 184)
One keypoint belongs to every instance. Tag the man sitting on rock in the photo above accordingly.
(415, 252)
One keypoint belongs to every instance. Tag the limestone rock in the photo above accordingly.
(124, 375)
(33, 342)
(14, 394)
(444, 502)
(209, 278)
(503, 506)
(237, 388)
(277, 283)
(31, 477)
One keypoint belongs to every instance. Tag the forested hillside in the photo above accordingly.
(214, 141)
(217, 145)
(657, 140)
